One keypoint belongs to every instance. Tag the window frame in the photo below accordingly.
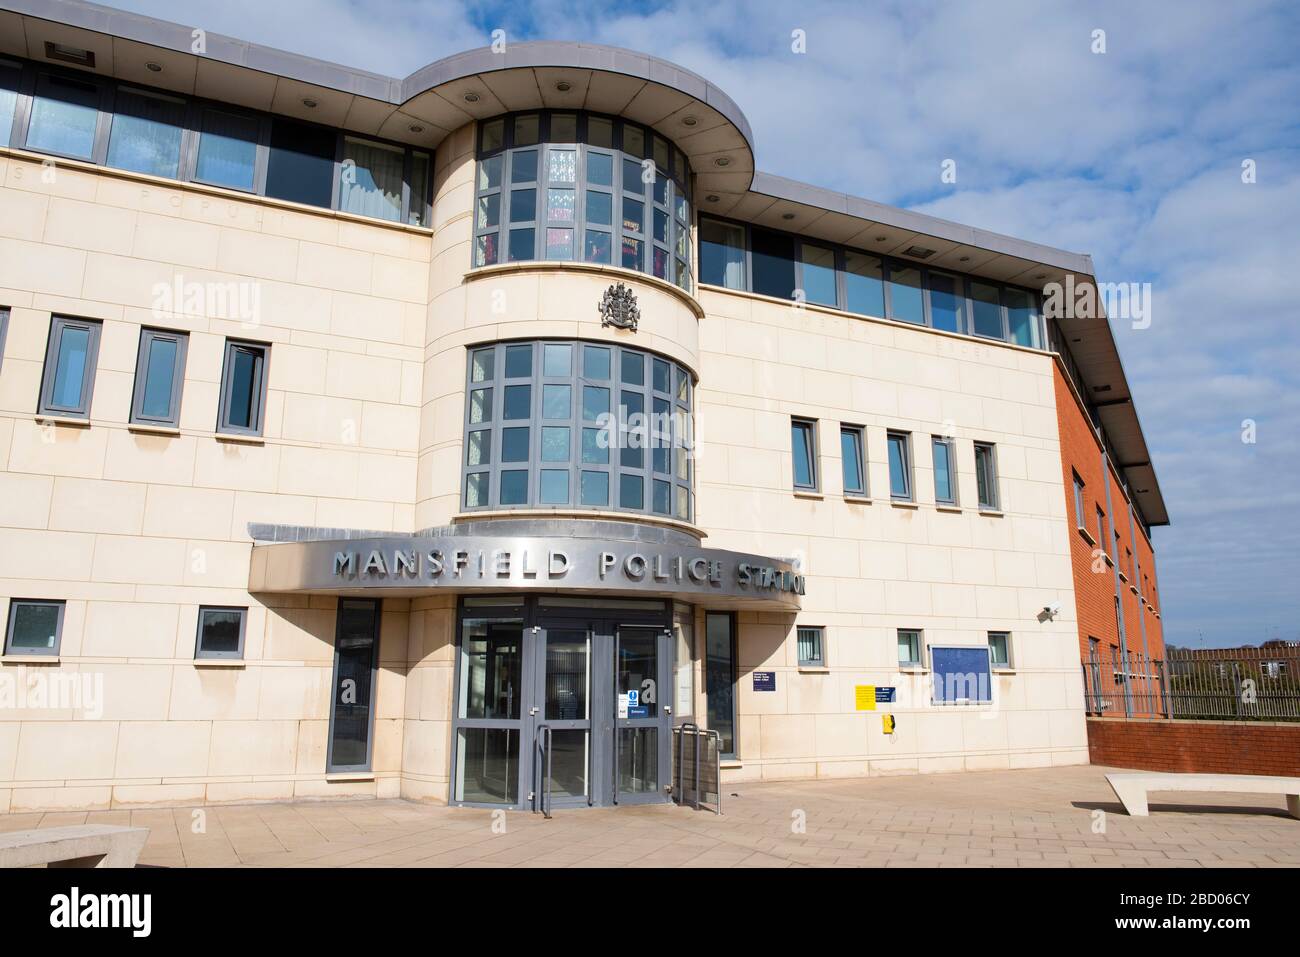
(994, 504)
(4, 332)
(919, 661)
(224, 425)
(45, 404)
(820, 632)
(733, 638)
(909, 493)
(1010, 663)
(859, 436)
(1080, 502)
(950, 445)
(148, 335)
(809, 428)
(238, 654)
(12, 613)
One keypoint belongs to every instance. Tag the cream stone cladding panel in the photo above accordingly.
(513, 301)
(135, 529)
(874, 566)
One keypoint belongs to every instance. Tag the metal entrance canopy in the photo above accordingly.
(539, 555)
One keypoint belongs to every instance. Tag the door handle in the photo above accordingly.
(532, 712)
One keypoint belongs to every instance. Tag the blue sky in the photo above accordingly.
(1133, 156)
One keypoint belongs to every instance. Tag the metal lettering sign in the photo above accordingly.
(618, 308)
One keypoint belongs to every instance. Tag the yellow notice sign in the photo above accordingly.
(864, 697)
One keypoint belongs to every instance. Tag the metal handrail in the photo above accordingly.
(697, 733)
(544, 788)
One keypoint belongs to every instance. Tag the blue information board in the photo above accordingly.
(764, 680)
(961, 674)
(884, 695)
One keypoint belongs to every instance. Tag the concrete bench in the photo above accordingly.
(82, 845)
(1131, 787)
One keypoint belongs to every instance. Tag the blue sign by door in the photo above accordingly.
(764, 680)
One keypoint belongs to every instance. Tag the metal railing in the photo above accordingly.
(1226, 684)
(697, 767)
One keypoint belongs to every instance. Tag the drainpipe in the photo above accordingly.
(1106, 546)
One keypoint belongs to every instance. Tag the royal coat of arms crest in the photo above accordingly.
(618, 308)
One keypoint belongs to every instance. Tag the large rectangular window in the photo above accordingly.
(900, 466)
(243, 388)
(221, 632)
(986, 310)
(905, 301)
(159, 377)
(720, 677)
(852, 461)
(946, 301)
(986, 475)
(35, 627)
(228, 149)
(70, 359)
(864, 284)
(370, 182)
(10, 74)
(1022, 317)
(945, 474)
(773, 263)
(300, 167)
(803, 449)
(146, 133)
(817, 264)
(356, 660)
(722, 254)
(812, 647)
(65, 113)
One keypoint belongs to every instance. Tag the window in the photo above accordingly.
(228, 149)
(10, 75)
(1000, 649)
(986, 310)
(356, 660)
(720, 678)
(986, 475)
(1022, 317)
(370, 183)
(772, 263)
(243, 388)
(35, 627)
(817, 266)
(70, 359)
(900, 466)
(852, 460)
(803, 449)
(576, 424)
(554, 186)
(1078, 501)
(864, 284)
(4, 329)
(300, 166)
(159, 377)
(722, 253)
(146, 133)
(945, 478)
(905, 303)
(220, 632)
(812, 649)
(65, 113)
(946, 301)
(1101, 529)
(909, 647)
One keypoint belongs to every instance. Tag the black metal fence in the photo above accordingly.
(1232, 684)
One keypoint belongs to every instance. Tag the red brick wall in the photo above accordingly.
(1095, 590)
(1211, 747)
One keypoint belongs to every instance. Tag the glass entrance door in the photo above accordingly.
(642, 738)
(562, 729)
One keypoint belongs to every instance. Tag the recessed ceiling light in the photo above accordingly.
(564, 86)
(918, 252)
(1101, 388)
(416, 128)
(722, 161)
(964, 259)
(153, 67)
(1041, 275)
(308, 102)
(689, 120)
(881, 239)
(471, 97)
(787, 215)
(712, 198)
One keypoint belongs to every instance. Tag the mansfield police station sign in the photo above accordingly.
(476, 563)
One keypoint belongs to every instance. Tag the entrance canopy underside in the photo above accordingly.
(596, 558)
